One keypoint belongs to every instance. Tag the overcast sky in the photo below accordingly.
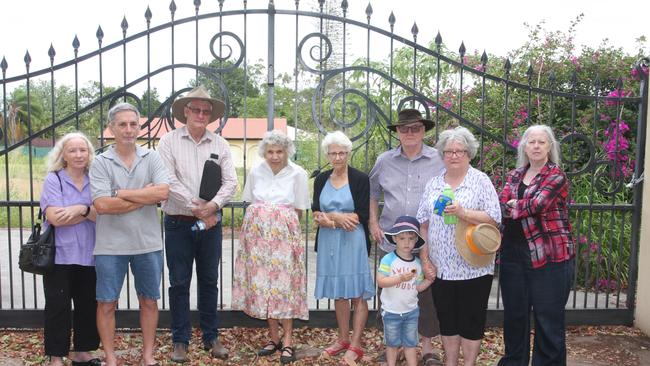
(496, 26)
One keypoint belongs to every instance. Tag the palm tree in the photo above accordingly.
(21, 113)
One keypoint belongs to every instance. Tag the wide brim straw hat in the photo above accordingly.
(477, 244)
(198, 93)
(408, 116)
(404, 224)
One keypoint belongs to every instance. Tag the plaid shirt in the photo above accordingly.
(543, 213)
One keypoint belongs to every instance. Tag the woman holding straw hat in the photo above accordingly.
(460, 256)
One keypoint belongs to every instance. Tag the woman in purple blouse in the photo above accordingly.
(67, 204)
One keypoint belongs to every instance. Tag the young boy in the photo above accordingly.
(401, 277)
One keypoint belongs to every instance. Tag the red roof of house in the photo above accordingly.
(234, 129)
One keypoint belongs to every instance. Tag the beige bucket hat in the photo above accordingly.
(477, 244)
(200, 93)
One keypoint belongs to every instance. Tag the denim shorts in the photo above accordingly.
(111, 269)
(401, 330)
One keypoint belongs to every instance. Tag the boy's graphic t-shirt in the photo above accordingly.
(403, 297)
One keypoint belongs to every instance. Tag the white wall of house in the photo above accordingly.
(642, 311)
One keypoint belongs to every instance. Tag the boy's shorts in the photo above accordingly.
(401, 330)
(111, 270)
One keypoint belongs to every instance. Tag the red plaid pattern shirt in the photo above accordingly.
(543, 213)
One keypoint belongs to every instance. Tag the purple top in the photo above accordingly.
(74, 243)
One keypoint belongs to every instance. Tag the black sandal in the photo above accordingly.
(287, 359)
(93, 362)
(270, 348)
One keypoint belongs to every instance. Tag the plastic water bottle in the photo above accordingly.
(448, 193)
(198, 226)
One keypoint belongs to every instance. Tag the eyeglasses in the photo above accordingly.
(454, 153)
(199, 111)
(410, 128)
(340, 154)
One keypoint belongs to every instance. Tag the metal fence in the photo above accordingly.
(327, 91)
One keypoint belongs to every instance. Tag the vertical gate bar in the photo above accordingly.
(3, 66)
(245, 155)
(320, 101)
(391, 21)
(270, 81)
(125, 26)
(344, 6)
(30, 156)
(638, 189)
(52, 98)
(100, 36)
(75, 45)
(461, 71)
(601, 240)
(621, 244)
(295, 82)
(506, 68)
(414, 32)
(231, 209)
(367, 137)
(149, 116)
(483, 95)
(22, 274)
(172, 11)
(594, 131)
(197, 4)
(578, 228)
(438, 42)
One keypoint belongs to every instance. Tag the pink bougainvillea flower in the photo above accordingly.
(612, 99)
(635, 72)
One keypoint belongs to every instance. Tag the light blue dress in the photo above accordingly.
(342, 270)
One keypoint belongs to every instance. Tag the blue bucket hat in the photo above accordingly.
(405, 224)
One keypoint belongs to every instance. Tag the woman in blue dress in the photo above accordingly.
(340, 207)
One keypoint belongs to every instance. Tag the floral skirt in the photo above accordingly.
(269, 279)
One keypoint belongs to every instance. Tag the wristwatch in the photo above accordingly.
(114, 193)
(85, 214)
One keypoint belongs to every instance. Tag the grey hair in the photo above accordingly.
(276, 137)
(554, 153)
(121, 107)
(336, 138)
(461, 135)
(55, 160)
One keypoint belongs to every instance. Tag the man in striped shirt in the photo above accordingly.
(185, 151)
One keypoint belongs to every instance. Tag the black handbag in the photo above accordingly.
(37, 254)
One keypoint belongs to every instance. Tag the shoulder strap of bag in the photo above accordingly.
(40, 211)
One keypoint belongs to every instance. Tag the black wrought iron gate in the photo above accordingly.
(326, 91)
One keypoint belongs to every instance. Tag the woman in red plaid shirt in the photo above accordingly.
(537, 252)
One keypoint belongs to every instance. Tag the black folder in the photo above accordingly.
(211, 179)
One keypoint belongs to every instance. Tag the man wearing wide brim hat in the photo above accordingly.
(185, 151)
(410, 116)
(399, 177)
(477, 244)
(180, 105)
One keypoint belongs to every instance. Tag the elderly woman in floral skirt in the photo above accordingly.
(269, 280)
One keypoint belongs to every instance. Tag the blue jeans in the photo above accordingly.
(401, 329)
(546, 291)
(111, 270)
(183, 247)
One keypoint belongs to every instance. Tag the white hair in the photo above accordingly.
(55, 160)
(461, 135)
(553, 154)
(276, 137)
(336, 138)
(122, 107)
